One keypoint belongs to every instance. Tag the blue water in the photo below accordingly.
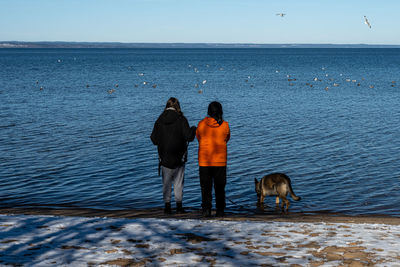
(66, 141)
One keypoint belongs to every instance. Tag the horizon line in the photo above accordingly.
(225, 43)
(178, 45)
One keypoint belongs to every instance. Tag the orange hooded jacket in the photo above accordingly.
(212, 139)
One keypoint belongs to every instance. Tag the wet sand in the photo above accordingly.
(196, 214)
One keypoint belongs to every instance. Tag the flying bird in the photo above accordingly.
(281, 14)
(367, 22)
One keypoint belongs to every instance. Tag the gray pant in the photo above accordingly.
(175, 176)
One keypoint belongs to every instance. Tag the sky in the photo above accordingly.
(201, 21)
(77, 241)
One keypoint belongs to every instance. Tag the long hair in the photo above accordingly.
(215, 111)
(174, 103)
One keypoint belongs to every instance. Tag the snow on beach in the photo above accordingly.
(79, 241)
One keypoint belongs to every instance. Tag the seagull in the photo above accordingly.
(281, 14)
(367, 22)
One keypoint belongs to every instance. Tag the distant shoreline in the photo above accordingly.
(45, 44)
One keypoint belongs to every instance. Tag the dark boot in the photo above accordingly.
(179, 208)
(167, 209)
(206, 213)
(220, 213)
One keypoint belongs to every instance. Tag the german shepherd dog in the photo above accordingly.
(275, 184)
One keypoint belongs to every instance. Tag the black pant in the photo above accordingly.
(208, 176)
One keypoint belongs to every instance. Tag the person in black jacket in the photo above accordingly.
(171, 134)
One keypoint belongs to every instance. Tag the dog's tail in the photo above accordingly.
(292, 194)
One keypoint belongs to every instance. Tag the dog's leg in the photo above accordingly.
(260, 205)
(277, 203)
(287, 205)
(285, 202)
(262, 202)
(282, 206)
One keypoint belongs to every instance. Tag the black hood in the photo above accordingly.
(168, 117)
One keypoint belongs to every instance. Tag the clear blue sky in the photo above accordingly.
(201, 21)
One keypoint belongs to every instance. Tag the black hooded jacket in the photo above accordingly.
(170, 134)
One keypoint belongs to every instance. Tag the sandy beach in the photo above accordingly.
(266, 216)
(90, 237)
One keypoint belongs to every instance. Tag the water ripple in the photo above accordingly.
(72, 145)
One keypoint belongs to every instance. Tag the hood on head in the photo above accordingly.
(169, 117)
(212, 122)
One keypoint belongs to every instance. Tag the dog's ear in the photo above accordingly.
(255, 181)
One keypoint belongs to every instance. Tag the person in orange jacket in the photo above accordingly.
(213, 135)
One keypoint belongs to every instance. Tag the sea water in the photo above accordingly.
(75, 125)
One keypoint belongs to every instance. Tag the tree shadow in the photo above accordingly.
(51, 240)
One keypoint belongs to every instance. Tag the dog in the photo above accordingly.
(275, 184)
